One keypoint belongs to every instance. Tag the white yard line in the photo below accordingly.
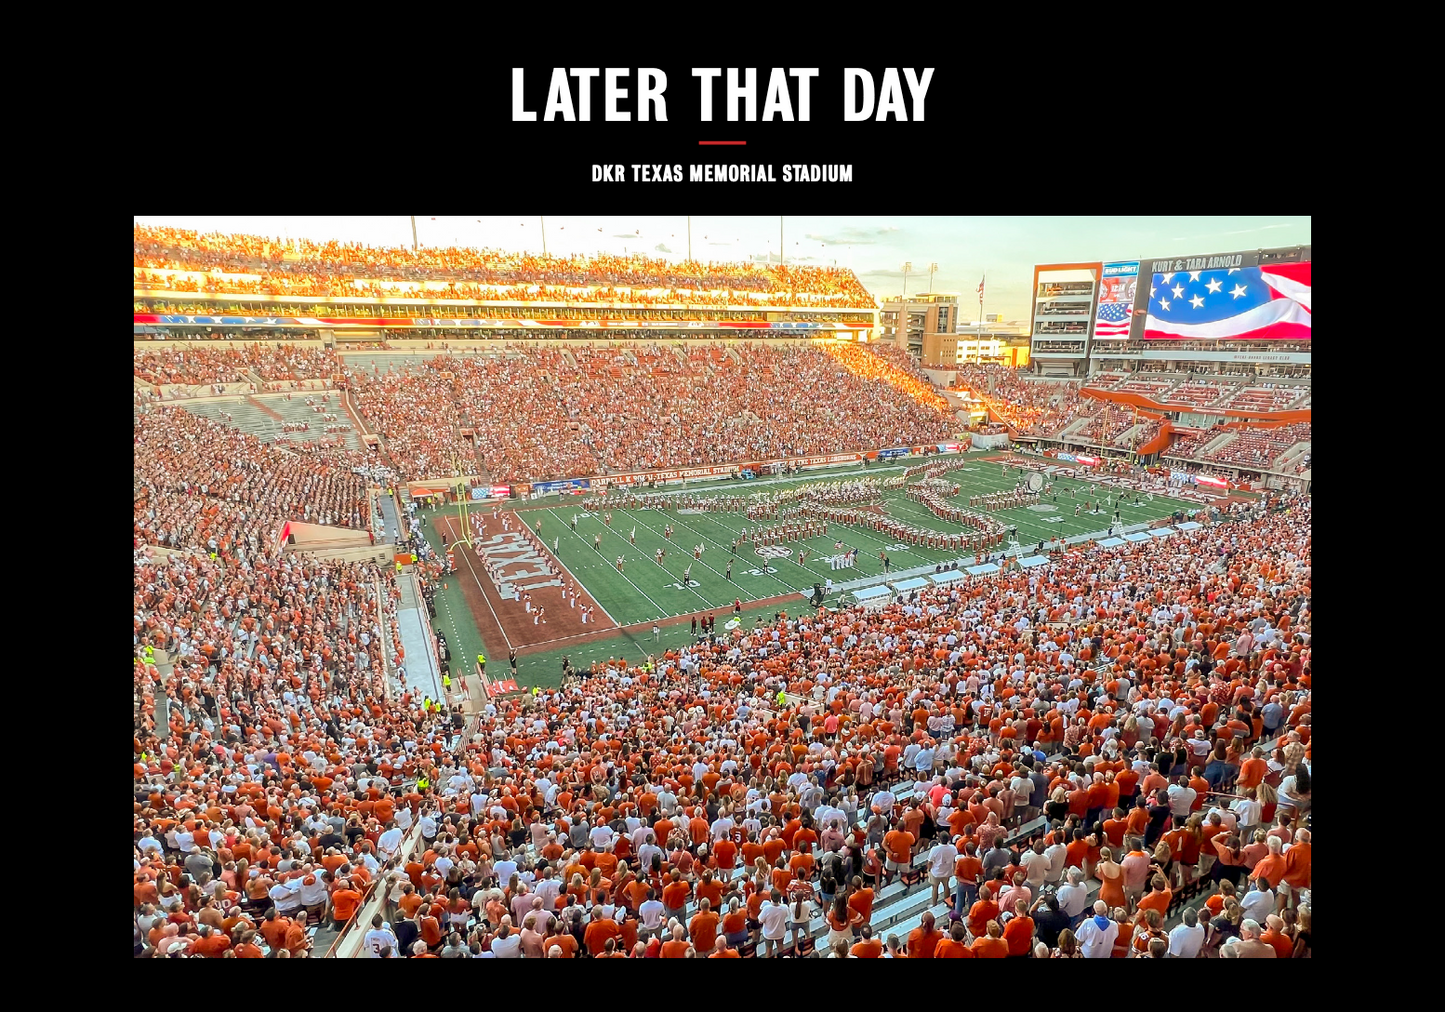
(705, 565)
(574, 579)
(551, 511)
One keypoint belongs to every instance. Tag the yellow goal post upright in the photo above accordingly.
(464, 518)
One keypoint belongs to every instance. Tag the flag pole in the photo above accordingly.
(978, 338)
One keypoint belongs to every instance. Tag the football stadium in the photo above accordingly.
(497, 604)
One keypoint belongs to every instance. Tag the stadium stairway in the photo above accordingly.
(389, 516)
(266, 416)
(1123, 438)
(265, 409)
(1292, 456)
(1218, 443)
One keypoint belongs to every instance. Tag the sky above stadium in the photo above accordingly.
(875, 247)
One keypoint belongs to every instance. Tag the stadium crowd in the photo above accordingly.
(1134, 720)
(429, 308)
(415, 411)
(203, 485)
(1151, 702)
(889, 364)
(542, 413)
(1032, 407)
(307, 268)
(229, 364)
(1256, 449)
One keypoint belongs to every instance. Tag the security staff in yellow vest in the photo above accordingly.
(482, 663)
(423, 784)
(447, 683)
(426, 704)
(150, 654)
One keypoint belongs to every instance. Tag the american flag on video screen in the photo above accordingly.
(1268, 302)
(1113, 319)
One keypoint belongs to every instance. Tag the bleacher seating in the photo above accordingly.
(255, 265)
(1263, 399)
(1153, 389)
(1259, 448)
(544, 413)
(1197, 393)
(1032, 407)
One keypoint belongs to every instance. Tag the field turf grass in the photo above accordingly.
(644, 592)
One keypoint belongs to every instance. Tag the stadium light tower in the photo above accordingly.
(903, 305)
(932, 270)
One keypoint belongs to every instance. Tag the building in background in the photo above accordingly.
(1015, 354)
(908, 324)
(993, 341)
(1064, 297)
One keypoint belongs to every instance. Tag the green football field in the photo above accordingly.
(644, 591)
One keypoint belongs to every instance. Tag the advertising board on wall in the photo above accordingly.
(1118, 284)
(571, 484)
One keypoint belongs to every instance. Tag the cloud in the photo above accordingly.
(886, 274)
(855, 236)
(625, 235)
(1262, 228)
(662, 248)
(1239, 231)
(719, 244)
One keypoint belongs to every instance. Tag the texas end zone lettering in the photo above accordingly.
(512, 554)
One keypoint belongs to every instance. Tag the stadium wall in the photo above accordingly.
(303, 537)
(684, 475)
(1140, 401)
(1275, 421)
(1159, 442)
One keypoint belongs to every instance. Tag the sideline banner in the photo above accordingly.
(543, 487)
(721, 470)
